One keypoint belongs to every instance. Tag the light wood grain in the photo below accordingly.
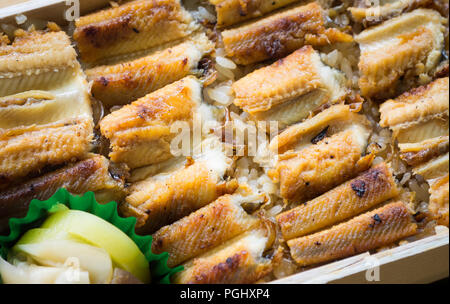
(5, 3)
(422, 261)
(41, 9)
(45, 9)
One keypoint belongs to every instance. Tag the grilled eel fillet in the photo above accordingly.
(237, 261)
(42, 128)
(385, 10)
(35, 108)
(438, 206)
(416, 105)
(125, 82)
(131, 27)
(36, 61)
(419, 121)
(345, 201)
(167, 197)
(320, 167)
(434, 168)
(140, 133)
(415, 154)
(289, 89)
(50, 121)
(330, 155)
(435, 171)
(204, 229)
(368, 231)
(335, 119)
(405, 46)
(90, 174)
(277, 35)
(25, 150)
(230, 12)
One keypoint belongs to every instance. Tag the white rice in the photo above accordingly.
(221, 93)
(226, 63)
(21, 19)
(342, 20)
(115, 108)
(224, 73)
(345, 58)
(284, 268)
(275, 210)
(201, 13)
(377, 160)
(220, 52)
(405, 178)
(267, 184)
(205, 14)
(420, 190)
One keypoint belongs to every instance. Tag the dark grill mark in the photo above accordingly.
(90, 31)
(273, 47)
(320, 136)
(104, 81)
(243, 11)
(419, 216)
(377, 218)
(205, 64)
(359, 187)
(108, 33)
(115, 175)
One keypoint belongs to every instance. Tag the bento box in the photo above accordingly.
(348, 185)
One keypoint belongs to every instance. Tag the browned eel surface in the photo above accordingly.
(368, 231)
(345, 201)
